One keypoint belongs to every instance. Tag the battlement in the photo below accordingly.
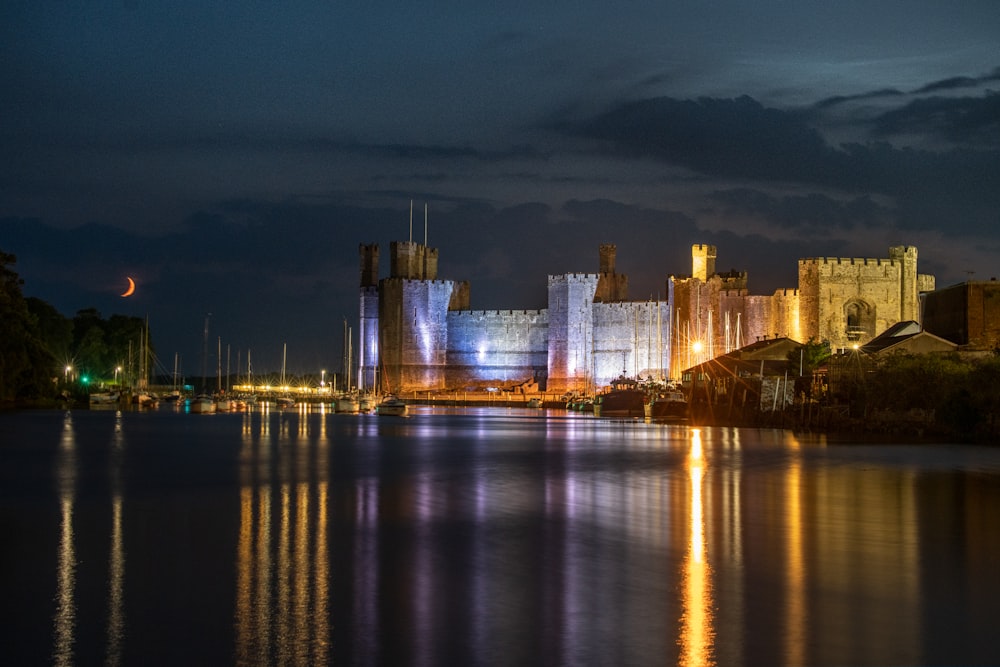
(565, 278)
(436, 281)
(847, 261)
(497, 313)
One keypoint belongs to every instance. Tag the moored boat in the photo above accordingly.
(624, 399)
(391, 406)
(202, 404)
(104, 398)
(348, 404)
(669, 404)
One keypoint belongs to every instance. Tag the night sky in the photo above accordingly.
(232, 156)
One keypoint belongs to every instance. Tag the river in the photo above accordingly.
(487, 536)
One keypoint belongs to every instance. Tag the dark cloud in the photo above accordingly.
(966, 121)
(740, 138)
(813, 215)
(959, 82)
(872, 95)
(724, 137)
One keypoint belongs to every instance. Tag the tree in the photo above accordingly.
(808, 357)
(25, 364)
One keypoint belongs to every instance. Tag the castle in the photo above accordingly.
(418, 333)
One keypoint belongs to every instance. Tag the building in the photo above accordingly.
(758, 375)
(418, 333)
(967, 314)
(907, 338)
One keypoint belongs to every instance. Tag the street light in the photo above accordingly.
(118, 369)
(66, 374)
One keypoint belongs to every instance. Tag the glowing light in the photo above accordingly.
(696, 347)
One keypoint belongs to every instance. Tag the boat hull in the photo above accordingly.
(391, 407)
(623, 403)
(202, 405)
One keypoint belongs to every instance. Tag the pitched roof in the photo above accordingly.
(768, 357)
(909, 336)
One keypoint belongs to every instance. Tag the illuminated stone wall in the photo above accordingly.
(414, 332)
(496, 348)
(848, 301)
(368, 339)
(630, 338)
(571, 303)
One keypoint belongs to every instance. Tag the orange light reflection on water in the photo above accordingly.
(697, 632)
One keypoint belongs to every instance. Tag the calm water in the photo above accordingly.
(487, 537)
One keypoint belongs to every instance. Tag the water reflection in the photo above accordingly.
(64, 621)
(282, 555)
(697, 633)
(116, 553)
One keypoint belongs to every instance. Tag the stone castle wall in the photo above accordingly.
(630, 338)
(368, 339)
(571, 302)
(849, 301)
(494, 348)
(414, 331)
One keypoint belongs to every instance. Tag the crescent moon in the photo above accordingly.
(131, 287)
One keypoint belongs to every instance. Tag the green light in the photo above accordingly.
(85, 379)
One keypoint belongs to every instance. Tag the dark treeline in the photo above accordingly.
(934, 394)
(44, 354)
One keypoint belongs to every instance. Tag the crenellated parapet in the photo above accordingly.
(482, 314)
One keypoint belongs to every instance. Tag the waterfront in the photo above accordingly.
(497, 536)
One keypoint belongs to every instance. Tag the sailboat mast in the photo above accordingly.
(284, 353)
(204, 355)
(218, 367)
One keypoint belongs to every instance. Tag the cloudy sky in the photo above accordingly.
(231, 157)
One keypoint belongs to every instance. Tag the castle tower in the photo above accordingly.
(607, 251)
(369, 265)
(909, 304)
(702, 261)
(611, 287)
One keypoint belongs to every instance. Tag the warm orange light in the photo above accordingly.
(696, 347)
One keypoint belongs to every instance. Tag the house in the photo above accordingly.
(758, 375)
(907, 337)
